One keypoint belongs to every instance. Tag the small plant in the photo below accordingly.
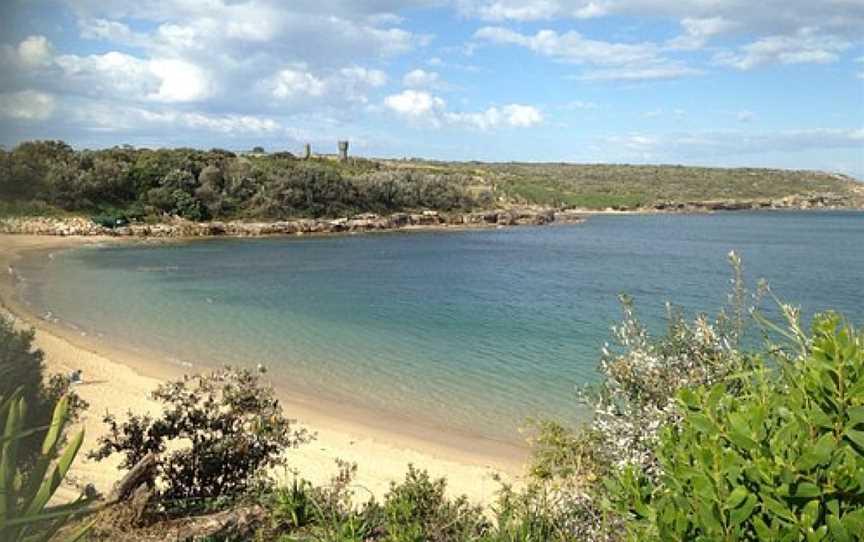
(24, 511)
(418, 510)
(293, 507)
(225, 430)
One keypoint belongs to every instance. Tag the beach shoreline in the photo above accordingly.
(120, 379)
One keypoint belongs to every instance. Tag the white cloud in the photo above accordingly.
(635, 73)
(423, 106)
(697, 31)
(35, 51)
(616, 61)
(522, 11)
(112, 73)
(292, 83)
(712, 16)
(113, 31)
(349, 84)
(365, 76)
(522, 116)
(101, 117)
(413, 103)
(420, 78)
(159, 79)
(31, 53)
(782, 31)
(179, 81)
(27, 105)
(226, 124)
(573, 47)
(807, 46)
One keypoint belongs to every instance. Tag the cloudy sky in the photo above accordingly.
(713, 82)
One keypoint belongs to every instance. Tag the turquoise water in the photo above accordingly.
(473, 331)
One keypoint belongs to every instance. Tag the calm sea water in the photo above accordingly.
(474, 331)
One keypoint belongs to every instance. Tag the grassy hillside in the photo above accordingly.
(603, 185)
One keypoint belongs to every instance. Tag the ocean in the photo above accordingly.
(472, 331)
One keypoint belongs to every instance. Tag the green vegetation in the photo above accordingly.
(624, 186)
(125, 184)
(22, 370)
(774, 453)
(49, 178)
(25, 514)
(234, 428)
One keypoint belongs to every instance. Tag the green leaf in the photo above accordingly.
(810, 513)
(856, 416)
(702, 423)
(807, 490)
(52, 481)
(708, 516)
(857, 437)
(739, 515)
(837, 530)
(737, 497)
(820, 453)
(762, 529)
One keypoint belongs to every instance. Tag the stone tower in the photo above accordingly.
(307, 151)
(343, 150)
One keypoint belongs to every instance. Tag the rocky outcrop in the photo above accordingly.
(366, 222)
(796, 201)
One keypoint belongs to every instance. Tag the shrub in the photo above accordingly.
(782, 459)
(225, 430)
(25, 514)
(22, 368)
(632, 404)
(417, 510)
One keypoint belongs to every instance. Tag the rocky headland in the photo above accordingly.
(367, 222)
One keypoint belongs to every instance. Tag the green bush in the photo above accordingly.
(25, 513)
(219, 433)
(781, 459)
(22, 369)
(418, 511)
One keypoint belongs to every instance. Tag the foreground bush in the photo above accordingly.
(22, 369)
(224, 431)
(416, 510)
(783, 459)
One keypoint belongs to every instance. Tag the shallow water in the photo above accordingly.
(474, 331)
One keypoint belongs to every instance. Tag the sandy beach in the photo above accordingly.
(118, 380)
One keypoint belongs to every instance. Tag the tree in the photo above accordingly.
(224, 430)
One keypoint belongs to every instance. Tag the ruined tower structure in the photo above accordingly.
(343, 150)
(307, 151)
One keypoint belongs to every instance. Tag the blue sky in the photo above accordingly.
(776, 83)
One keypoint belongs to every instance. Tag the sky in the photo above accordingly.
(774, 83)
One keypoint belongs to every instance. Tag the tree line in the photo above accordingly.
(147, 184)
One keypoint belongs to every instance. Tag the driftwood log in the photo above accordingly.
(143, 473)
(236, 523)
(134, 492)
